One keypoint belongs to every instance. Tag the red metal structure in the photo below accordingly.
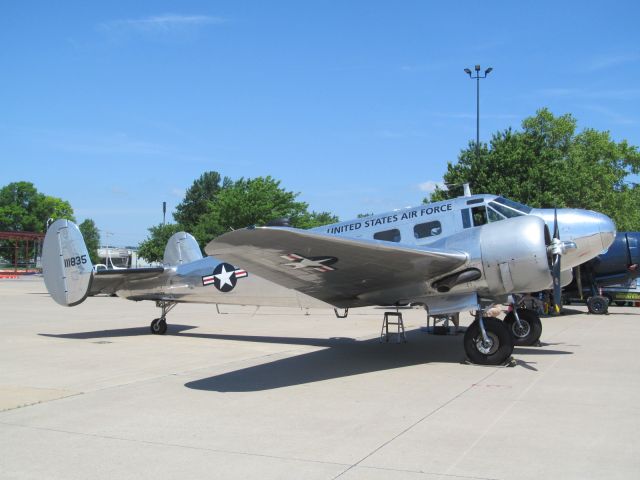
(24, 242)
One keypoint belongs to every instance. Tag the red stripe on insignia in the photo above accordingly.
(241, 273)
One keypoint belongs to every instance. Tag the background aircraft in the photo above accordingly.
(449, 256)
(620, 264)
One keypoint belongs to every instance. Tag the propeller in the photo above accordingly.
(556, 249)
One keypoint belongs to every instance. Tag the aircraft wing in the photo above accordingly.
(110, 281)
(337, 270)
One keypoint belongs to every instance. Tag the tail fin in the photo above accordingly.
(181, 248)
(66, 264)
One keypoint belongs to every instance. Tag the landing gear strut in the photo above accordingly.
(488, 341)
(159, 325)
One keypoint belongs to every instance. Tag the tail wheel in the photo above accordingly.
(530, 329)
(159, 326)
(495, 350)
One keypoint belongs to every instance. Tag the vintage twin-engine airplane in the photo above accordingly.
(449, 256)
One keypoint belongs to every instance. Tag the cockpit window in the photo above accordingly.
(479, 215)
(518, 207)
(493, 215)
(506, 212)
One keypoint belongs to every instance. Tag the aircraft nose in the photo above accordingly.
(607, 230)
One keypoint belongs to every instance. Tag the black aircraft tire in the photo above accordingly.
(499, 349)
(532, 327)
(598, 305)
(159, 326)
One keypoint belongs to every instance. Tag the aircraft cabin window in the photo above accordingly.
(479, 215)
(466, 221)
(392, 235)
(429, 229)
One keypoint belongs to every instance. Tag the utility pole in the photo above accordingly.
(477, 77)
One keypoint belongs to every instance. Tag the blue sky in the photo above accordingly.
(358, 105)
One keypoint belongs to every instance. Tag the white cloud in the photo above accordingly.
(615, 94)
(430, 186)
(469, 116)
(166, 23)
(402, 134)
(606, 61)
(178, 192)
(611, 115)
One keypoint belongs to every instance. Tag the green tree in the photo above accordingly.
(198, 199)
(210, 209)
(548, 164)
(252, 201)
(23, 208)
(152, 249)
(315, 219)
(91, 238)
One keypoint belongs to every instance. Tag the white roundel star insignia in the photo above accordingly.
(224, 277)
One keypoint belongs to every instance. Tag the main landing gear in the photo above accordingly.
(159, 325)
(524, 325)
(488, 341)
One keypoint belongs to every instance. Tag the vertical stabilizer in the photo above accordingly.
(181, 248)
(66, 264)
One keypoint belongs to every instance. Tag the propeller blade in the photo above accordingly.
(578, 276)
(557, 287)
(556, 230)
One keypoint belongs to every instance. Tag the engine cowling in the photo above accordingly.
(514, 255)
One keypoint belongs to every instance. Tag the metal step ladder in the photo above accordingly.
(384, 333)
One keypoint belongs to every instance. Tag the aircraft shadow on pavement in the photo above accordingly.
(340, 357)
(117, 332)
(343, 358)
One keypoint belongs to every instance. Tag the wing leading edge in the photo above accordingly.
(336, 270)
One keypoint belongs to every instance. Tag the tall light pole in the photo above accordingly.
(477, 77)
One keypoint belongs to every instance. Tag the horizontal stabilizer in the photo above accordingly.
(110, 281)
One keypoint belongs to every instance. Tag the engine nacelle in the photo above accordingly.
(514, 255)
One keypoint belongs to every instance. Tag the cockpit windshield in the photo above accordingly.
(518, 207)
(500, 208)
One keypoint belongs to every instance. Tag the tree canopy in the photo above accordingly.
(23, 208)
(152, 249)
(547, 164)
(198, 199)
(210, 208)
(91, 238)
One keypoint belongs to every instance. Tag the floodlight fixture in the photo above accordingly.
(477, 78)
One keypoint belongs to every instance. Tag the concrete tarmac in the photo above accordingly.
(88, 392)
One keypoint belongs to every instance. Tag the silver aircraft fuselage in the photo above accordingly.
(428, 224)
